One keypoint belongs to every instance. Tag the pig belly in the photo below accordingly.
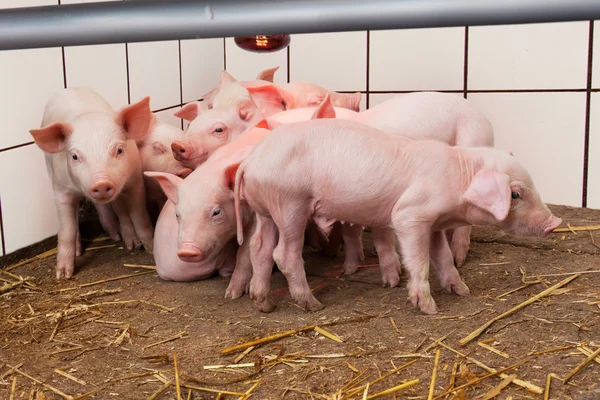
(168, 265)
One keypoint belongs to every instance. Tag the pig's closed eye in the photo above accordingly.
(515, 195)
(216, 212)
(219, 130)
(177, 216)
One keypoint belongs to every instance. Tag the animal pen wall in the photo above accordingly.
(538, 83)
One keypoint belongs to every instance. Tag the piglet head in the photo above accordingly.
(204, 208)
(213, 129)
(505, 196)
(98, 148)
(270, 98)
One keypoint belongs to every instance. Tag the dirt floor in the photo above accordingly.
(118, 339)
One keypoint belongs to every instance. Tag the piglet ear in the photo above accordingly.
(226, 78)
(263, 124)
(272, 123)
(246, 109)
(324, 110)
(190, 111)
(267, 74)
(168, 183)
(490, 191)
(230, 172)
(136, 119)
(353, 101)
(52, 138)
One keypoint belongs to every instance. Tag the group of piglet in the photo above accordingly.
(263, 170)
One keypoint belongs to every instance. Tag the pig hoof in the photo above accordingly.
(425, 302)
(390, 280)
(63, 272)
(460, 288)
(311, 304)
(459, 252)
(116, 237)
(350, 269)
(234, 293)
(264, 306)
(79, 251)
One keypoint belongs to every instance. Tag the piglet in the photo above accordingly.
(211, 129)
(156, 155)
(195, 233)
(306, 94)
(91, 153)
(325, 171)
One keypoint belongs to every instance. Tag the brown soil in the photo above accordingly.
(96, 339)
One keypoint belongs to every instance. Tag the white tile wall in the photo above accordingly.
(539, 56)
(27, 79)
(102, 68)
(28, 210)
(593, 193)
(377, 98)
(545, 131)
(337, 61)
(26, 3)
(417, 59)
(167, 117)
(596, 52)
(244, 65)
(154, 72)
(201, 66)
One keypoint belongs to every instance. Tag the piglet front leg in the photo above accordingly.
(441, 258)
(262, 244)
(136, 203)
(66, 207)
(414, 239)
(108, 220)
(130, 239)
(353, 247)
(384, 241)
(242, 273)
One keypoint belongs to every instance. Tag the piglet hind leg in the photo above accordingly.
(261, 246)
(441, 258)
(384, 241)
(242, 273)
(68, 231)
(108, 220)
(288, 256)
(459, 244)
(353, 246)
(414, 239)
(136, 204)
(126, 225)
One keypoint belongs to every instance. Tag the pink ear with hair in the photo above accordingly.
(52, 138)
(226, 78)
(168, 183)
(190, 111)
(136, 119)
(267, 74)
(490, 191)
(324, 110)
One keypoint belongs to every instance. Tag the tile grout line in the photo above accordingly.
(180, 80)
(127, 68)
(288, 64)
(368, 81)
(224, 55)
(64, 64)
(466, 64)
(2, 230)
(588, 101)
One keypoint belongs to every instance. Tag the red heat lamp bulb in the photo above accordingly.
(263, 43)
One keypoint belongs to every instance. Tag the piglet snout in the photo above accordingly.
(190, 252)
(180, 151)
(552, 223)
(103, 190)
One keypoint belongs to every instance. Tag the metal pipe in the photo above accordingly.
(155, 20)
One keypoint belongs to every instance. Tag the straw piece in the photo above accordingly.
(100, 239)
(290, 333)
(548, 383)
(433, 374)
(366, 392)
(159, 391)
(394, 389)
(88, 394)
(177, 336)
(69, 376)
(189, 396)
(524, 384)
(578, 228)
(100, 247)
(10, 371)
(52, 388)
(394, 325)
(13, 387)
(392, 372)
(580, 366)
(517, 289)
(12, 286)
(596, 271)
(537, 353)
(328, 335)
(352, 367)
(244, 354)
(493, 349)
(474, 381)
(153, 267)
(177, 388)
(40, 256)
(115, 279)
(203, 389)
(533, 299)
(587, 351)
(496, 390)
(129, 377)
(246, 365)
(251, 389)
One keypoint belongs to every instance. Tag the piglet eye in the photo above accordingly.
(74, 157)
(216, 212)
(119, 151)
(515, 195)
(219, 130)
(177, 216)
